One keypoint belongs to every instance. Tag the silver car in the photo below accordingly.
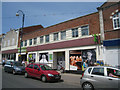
(101, 77)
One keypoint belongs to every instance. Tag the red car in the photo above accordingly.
(41, 71)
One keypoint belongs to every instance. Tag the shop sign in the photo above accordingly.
(23, 49)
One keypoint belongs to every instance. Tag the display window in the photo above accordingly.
(77, 57)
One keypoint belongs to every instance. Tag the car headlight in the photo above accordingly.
(50, 75)
(18, 68)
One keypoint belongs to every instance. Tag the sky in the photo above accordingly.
(44, 13)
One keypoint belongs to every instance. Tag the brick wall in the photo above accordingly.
(91, 19)
(108, 9)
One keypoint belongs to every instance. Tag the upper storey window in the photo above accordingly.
(63, 35)
(30, 42)
(116, 20)
(25, 43)
(85, 30)
(35, 40)
(55, 36)
(47, 38)
(75, 32)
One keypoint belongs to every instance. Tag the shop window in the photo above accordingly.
(55, 36)
(75, 32)
(32, 57)
(98, 71)
(85, 30)
(47, 38)
(116, 20)
(30, 42)
(35, 40)
(41, 39)
(25, 42)
(63, 35)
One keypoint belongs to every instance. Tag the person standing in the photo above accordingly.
(85, 65)
(23, 62)
(3, 62)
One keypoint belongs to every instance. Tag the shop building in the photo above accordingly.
(109, 14)
(9, 45)
(55, 45)
(1, 36)
(11, 42)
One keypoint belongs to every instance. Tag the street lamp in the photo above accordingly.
(21, 29)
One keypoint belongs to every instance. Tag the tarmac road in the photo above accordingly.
(19, 81)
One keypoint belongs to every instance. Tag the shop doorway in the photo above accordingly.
(24, 57)
(59, 60)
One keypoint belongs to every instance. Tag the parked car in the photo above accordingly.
(100, 77)
(42, 71)
(15, 67)
(117, 66)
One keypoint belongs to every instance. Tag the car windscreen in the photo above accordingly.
(45, 67)
(9, 62)
(18, 64)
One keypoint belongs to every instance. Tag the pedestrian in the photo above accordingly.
(23, 62)
(85, 65)
(3, 62)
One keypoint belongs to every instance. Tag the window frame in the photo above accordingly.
(62, 35)
(30, 41)
(98, 68)
(85, 27)
(21, 43)
(41, 39)
(25, 44)
(56, 36)
(35, 41)
(115, 18)
(112, 73)
(47, 38)
(75, 32)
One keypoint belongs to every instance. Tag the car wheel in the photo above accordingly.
(44, 79)
(88, 86)
(26, 75)
(14, 72)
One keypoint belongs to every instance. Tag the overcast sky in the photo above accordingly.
(44, 13)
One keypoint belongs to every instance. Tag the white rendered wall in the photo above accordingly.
(112, 56)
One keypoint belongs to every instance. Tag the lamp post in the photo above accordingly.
(21, 29)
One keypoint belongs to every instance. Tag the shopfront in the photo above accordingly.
(8, 56)
(59, 60)
(32, 56)
(77, 57)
